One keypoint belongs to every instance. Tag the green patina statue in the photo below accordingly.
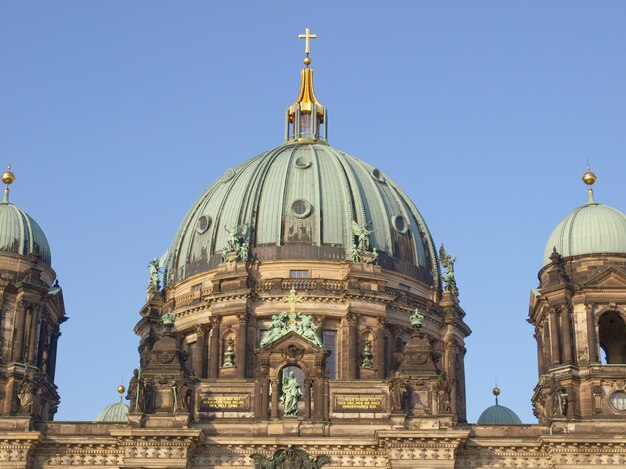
(361, 249)
(447, 262)
(288, 321)
(237, 245)
(291, 394)
(156, 266)
(417, 318)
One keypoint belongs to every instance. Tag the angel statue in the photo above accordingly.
(448, 263)
(156, 265)
(237, 247)
(361, 250)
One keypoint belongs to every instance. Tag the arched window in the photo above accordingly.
(612, 333)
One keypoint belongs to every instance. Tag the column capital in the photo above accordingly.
(352, 317)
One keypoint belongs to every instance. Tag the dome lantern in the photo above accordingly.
(305, 120)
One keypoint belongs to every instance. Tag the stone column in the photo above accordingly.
(199, 352)
(52, 355)
(352, 344)
(10, 396)
(538, 338)
(307, 399)
(566, 331)
(554, 338)
(241, 357)
(274, 384)
(592, 343)
(450, 347)
(18, 343)
(214, 352)
(380, 348)
(32, 338)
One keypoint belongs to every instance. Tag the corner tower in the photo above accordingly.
(579, 315)
(32, 310)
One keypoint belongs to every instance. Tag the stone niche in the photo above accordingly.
(292, 350)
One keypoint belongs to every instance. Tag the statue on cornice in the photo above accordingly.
(156, 266)
(447, 262)
(417, 318)
(237, 245)
(361, 249)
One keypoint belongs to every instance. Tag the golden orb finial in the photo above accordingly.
(589, 178)
(307, 61)
(8, 177)
(121, 389)
(496, 391)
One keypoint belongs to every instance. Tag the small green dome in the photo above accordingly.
(298, 201)
(117, 412)
(498, 415)
(590, 229)
(19, 233)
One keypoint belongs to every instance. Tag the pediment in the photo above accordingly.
(610, 277)
(291, 339)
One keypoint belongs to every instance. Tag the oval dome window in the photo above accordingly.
(300, 208)
(399, 224)
(203, 224)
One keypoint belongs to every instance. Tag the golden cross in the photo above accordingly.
(292, 299)
(307, 36)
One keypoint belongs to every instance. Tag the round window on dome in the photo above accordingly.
(618, 400)
(228, 175)
(203, 224)
(376, 174)
(300, 208)
(399, 224)
(302, 162)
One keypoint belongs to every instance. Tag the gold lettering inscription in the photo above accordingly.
(360, 403)
(224, 402)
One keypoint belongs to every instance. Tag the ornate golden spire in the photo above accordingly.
(306, 117)
(7, 177)
(589, 178)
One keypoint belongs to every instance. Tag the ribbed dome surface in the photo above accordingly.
(298, 202)
(498, 415)
(590, 229)
(117, 412)
(19, 233)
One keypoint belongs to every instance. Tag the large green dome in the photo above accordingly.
(298, 201)
(19, 233)
(590, 229)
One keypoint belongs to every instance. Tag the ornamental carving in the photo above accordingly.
(289, 458)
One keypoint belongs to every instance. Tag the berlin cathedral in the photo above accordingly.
(303, 317)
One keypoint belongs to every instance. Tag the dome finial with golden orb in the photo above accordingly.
(589, 178)
(7, 177)
(121, 390)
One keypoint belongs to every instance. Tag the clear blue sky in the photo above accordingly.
(117, 115)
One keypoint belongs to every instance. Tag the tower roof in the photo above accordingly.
(117, 412)
(19, 233)
(498, 414)
(592, 228)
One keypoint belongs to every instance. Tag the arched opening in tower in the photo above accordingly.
(612, 333)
